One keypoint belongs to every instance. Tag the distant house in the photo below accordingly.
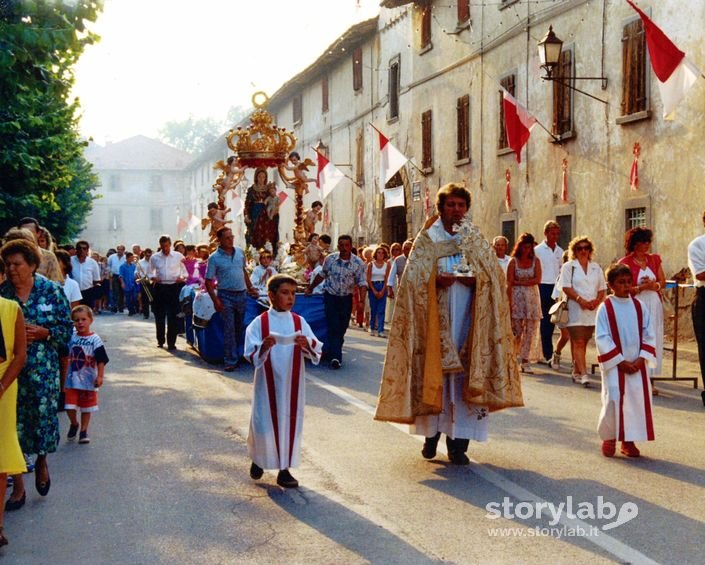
(142, 192)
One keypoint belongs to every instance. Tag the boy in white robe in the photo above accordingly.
(276, 343)
(625, 345)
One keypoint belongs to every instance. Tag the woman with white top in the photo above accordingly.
(648, 280)
(377, 273)
(583, 282)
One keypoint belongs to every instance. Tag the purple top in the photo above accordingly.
(194, 275)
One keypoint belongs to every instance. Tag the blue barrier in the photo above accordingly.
(209, 341)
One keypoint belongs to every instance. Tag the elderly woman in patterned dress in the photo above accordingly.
(48, 326)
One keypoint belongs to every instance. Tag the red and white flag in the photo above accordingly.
(517, 123)
(328, 175)
(193, 222)
(675, 73)
(390, 158)
(181, 225)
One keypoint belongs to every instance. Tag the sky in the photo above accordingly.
(163, 60)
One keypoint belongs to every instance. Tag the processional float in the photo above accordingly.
(260, 146)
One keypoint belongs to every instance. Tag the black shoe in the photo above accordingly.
(171, 348)
(335, 364)
(229, 368)
(160, 345)
(42, 488)
(11, 505)
(256, 471)
(73, 430)
(284, 479)
(83, 438)
(430, 446)
(458, 458)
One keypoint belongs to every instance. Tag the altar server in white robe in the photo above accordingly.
(276, 343)
(625, 342)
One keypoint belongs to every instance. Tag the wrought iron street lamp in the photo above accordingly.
(550, 48)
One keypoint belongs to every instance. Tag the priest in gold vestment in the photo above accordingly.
(450, 359)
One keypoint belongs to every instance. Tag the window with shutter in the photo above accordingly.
(394, 89)
(296, 105)
(426, 15)
(426, 141)
(357, 69)
(563, 95)
(635, 98)
(324, 93)
(463, 124)
(463, 11)
(509, 84)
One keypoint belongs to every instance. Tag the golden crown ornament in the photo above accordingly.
(261, 144)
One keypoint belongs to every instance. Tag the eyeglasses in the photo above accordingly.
(582, 248)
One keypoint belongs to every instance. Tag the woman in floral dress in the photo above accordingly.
(48, 326)
(523, 278)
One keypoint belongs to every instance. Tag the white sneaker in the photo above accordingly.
(584, 380)
(381, 334)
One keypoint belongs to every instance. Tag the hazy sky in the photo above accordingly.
(161, 60)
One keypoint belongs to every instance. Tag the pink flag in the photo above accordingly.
(390, 158)
(282, 196)
(328, 175)
(675, 73)
(517, 123)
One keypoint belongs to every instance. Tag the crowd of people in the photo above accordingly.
(437, 376)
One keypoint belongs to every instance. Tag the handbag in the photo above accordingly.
(559, 312)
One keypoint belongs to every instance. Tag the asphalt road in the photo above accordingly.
(165, 479)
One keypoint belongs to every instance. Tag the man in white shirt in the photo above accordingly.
(168, 274)
(86, 272)
(551, 256)
(696, 262)
(117, 298)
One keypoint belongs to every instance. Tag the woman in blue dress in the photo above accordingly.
(48, 326)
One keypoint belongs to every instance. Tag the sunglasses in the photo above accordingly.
(582, 248)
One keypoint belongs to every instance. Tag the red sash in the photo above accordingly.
(614, 330)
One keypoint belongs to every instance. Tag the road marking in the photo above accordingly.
(606, 542)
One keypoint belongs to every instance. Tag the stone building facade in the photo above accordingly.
(142, 192)
(428, 75)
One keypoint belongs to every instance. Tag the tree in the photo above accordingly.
(42, 169)
(192, 134)
(196, 134)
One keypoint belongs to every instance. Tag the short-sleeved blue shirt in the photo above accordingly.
(227, 269)
(342, 276)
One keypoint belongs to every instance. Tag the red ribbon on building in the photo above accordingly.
(634, 173)
(564, 187)
(508, 192)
